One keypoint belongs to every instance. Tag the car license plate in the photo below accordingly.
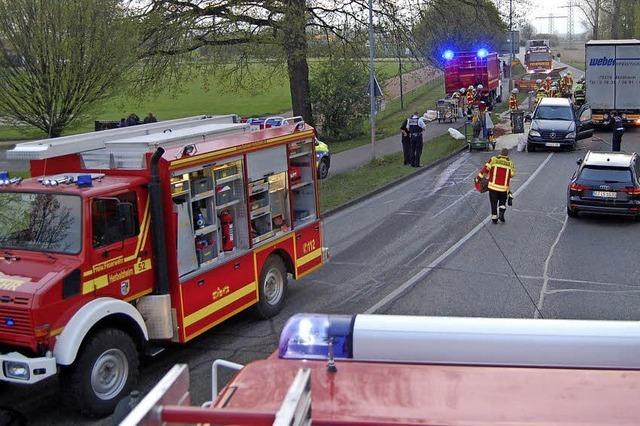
(553, 144)
(604, 194)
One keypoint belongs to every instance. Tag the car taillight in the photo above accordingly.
(632, 190)
(577, 187)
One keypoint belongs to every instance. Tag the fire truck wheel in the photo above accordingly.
(273, 287)
(105, 370)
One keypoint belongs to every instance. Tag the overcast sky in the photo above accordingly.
(551, 7)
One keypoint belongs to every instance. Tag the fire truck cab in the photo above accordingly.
(128, 239)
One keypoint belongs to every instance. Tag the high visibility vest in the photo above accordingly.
(513, 102)
(500, 170)
(541, 94)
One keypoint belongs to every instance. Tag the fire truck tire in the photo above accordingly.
(105, 371)
(272, 287)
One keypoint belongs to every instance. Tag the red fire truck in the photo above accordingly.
(129, 239)
(368, 370)
(464, 69)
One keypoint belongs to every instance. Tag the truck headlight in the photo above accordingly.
(534, 133)
(570, 135)
(16, 370)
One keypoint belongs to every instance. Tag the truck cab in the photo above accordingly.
(127, 240)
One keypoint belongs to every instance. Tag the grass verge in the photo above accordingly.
(579, 65)
(203, 95)
(342, 188)
(388, 121)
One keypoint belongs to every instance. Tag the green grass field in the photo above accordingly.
(388, 121)
(271, 98)
(344, 187)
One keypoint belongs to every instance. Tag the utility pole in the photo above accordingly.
(400, 75)
(372, 70)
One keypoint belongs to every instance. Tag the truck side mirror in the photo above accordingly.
(579, 162)
(527, 118)
(127, 219)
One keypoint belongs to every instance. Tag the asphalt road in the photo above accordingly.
(424, 248)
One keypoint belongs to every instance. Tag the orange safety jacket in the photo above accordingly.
(513, 103)
(500, 170)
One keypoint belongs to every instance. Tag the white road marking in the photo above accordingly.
(425, 271)
(584, 290)
(545, 272)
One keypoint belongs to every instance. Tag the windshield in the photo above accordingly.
(606, 174)
(539, 56)
(553, 112)
(40, 222)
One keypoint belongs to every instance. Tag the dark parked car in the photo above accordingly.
(605, 182)
(556, 123)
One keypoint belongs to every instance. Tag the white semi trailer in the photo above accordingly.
(613, 79)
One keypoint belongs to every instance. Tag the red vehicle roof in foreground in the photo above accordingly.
(410, 394)
(108, 183)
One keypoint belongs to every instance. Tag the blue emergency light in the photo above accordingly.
(84, 181)
(448, 54)
(482, 53)
(307, 336)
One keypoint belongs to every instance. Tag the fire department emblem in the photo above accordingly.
(125, 287)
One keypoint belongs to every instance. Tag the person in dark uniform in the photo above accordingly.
(406, 143)
(416, 125)
(618, 131)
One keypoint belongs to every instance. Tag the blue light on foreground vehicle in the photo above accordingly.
(482, 53)
(307, 336)
(448, 54)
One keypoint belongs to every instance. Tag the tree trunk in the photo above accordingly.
(295, 47)
(615, 20)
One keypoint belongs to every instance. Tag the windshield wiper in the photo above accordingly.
(612, 181)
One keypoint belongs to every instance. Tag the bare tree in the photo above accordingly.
(59, 59)
(176, 28)
(592, 11)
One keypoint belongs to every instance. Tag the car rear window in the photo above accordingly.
(606, 174)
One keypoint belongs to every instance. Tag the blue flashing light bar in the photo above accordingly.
(448, 54)
(483, 53)
(84, 181)
(307, 336)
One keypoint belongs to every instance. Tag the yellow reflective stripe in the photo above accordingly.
(96, 283)
(308, 257)
(219, 304)
(142, 236)
(142, 266)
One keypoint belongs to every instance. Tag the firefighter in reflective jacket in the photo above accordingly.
(513, 101)
(579, 92)
(547, 84)
(471, 96)
(541, 93)
(499, 170)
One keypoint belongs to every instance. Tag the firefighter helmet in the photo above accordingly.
(514, 91)
(548, 78)
(462, 90)
(568, 73)
(538, 81)
(480, 87)
(554, 84)
(470, 88)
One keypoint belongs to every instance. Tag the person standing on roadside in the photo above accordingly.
(618, 131)
(499, 171)
(406, 143)
(416, 126)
